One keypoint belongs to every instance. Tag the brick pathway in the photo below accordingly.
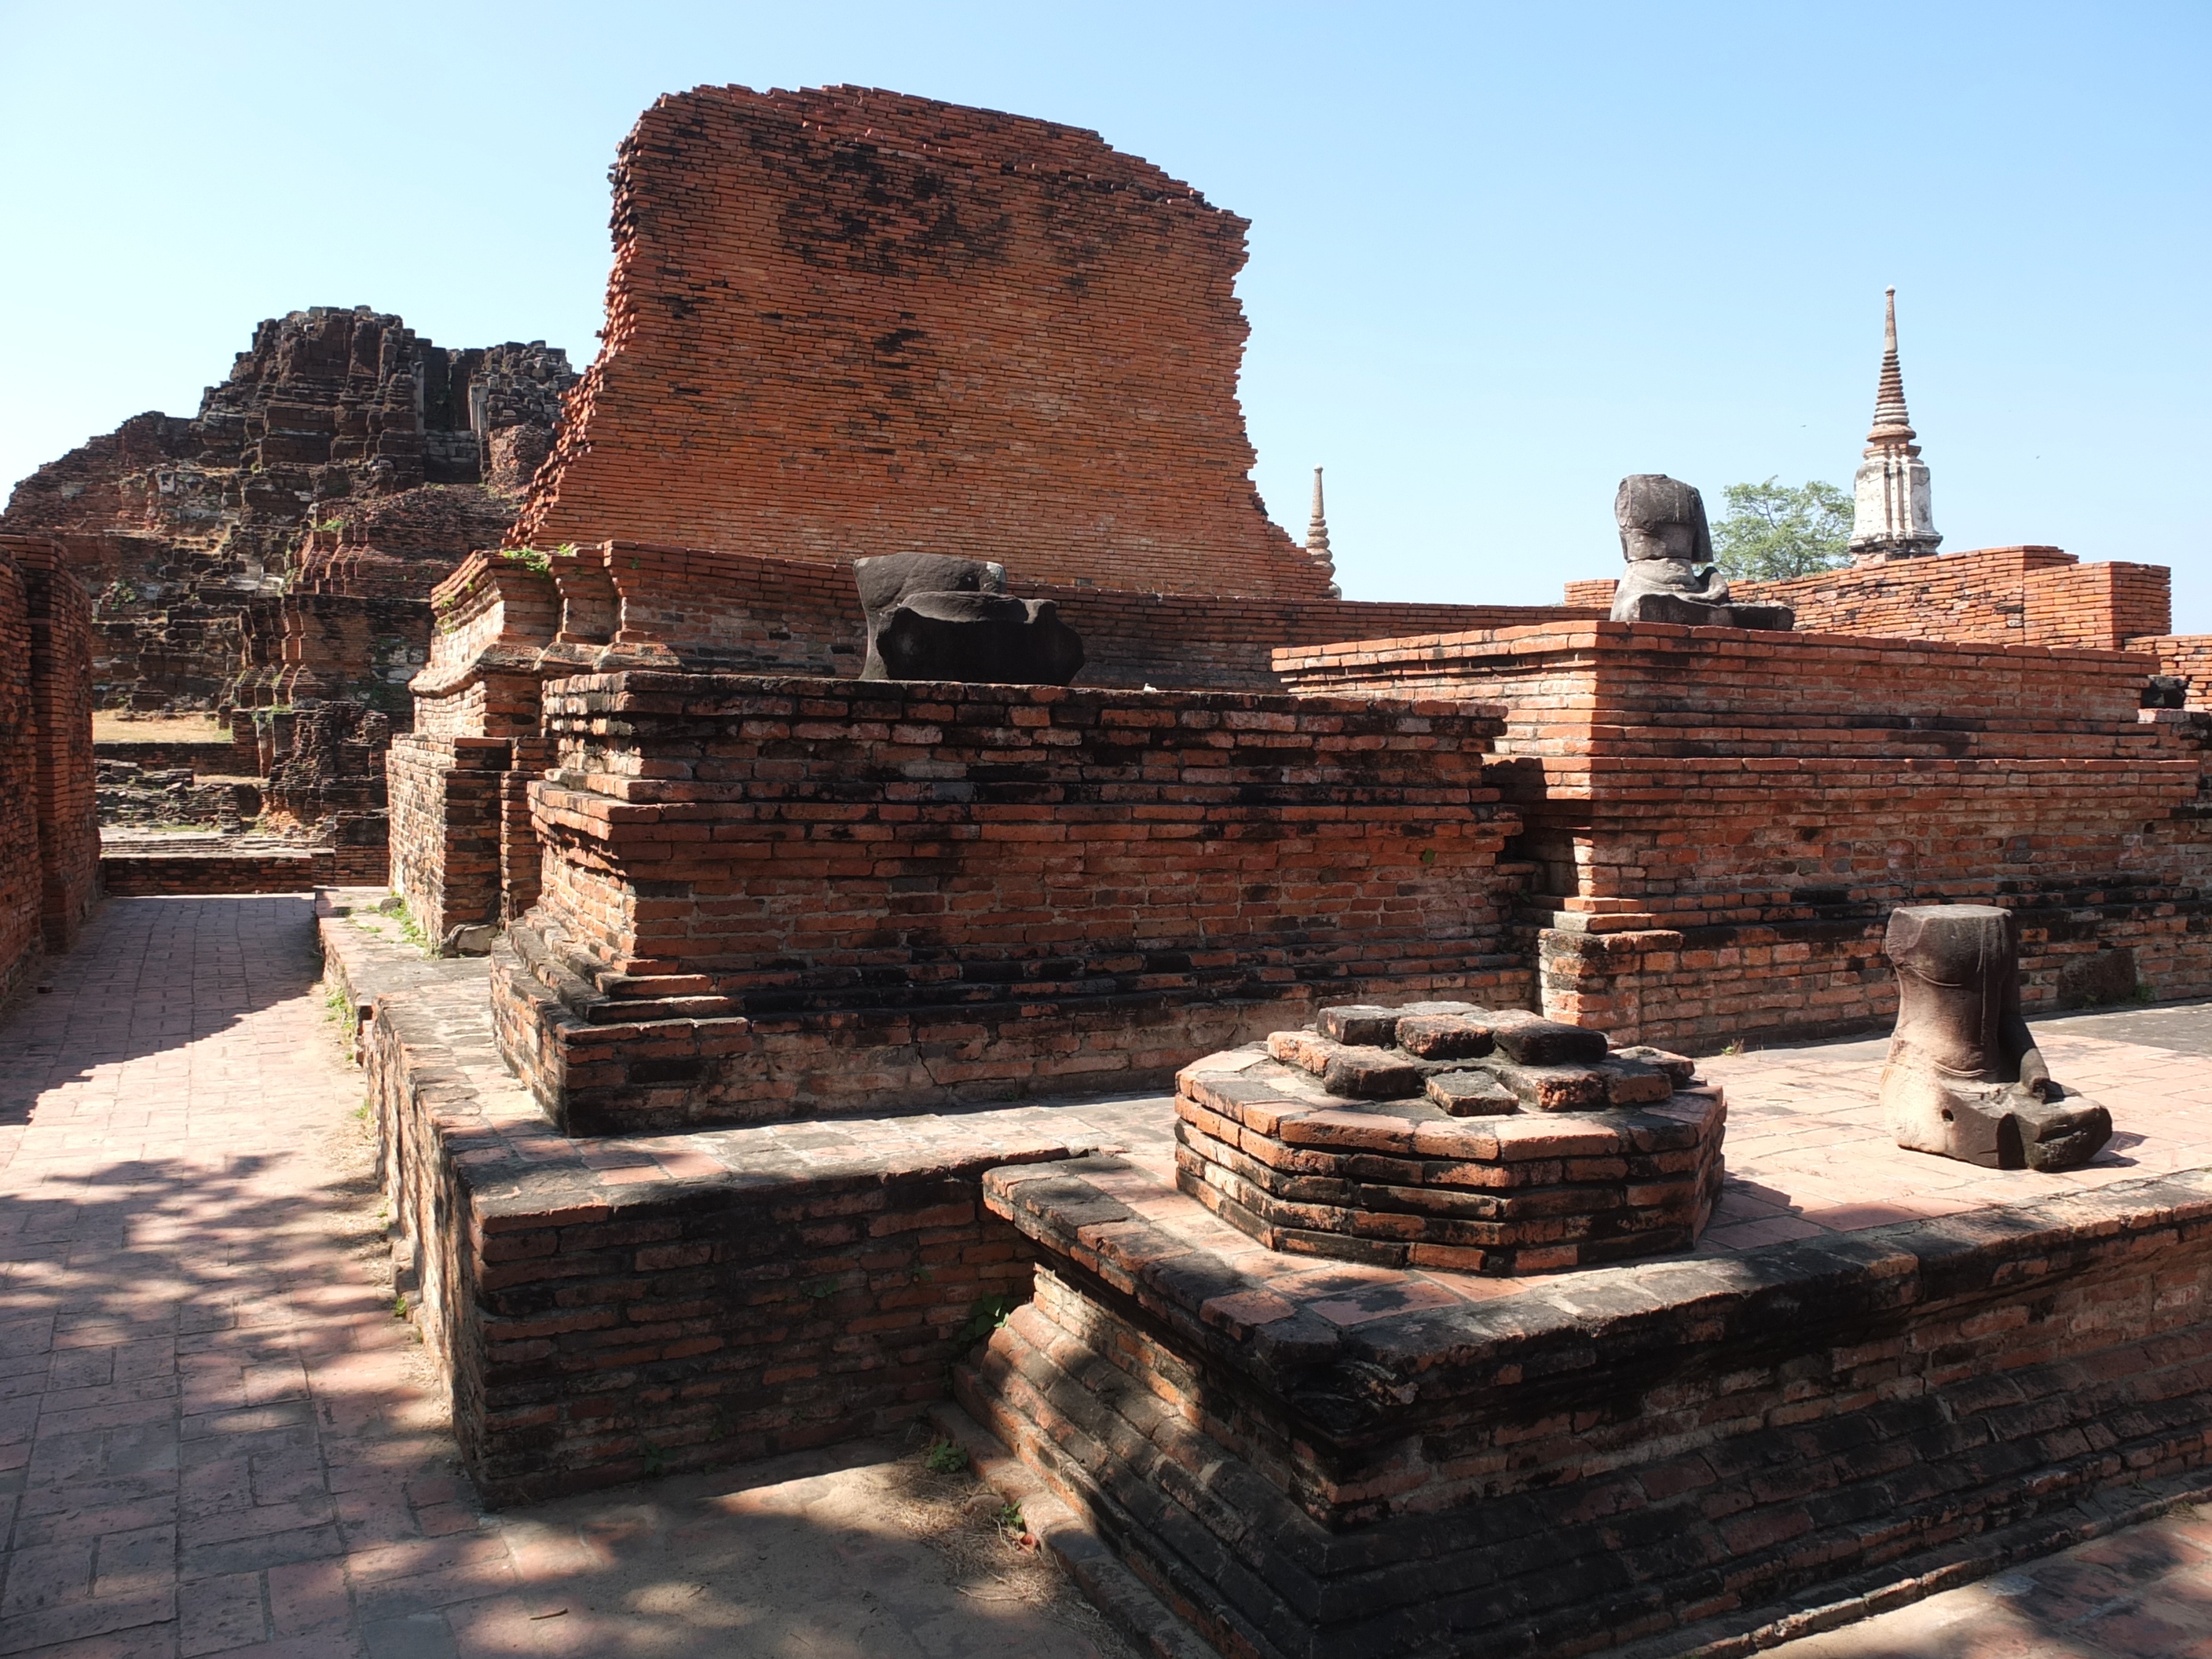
(215, 1439)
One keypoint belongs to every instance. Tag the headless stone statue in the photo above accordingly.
(934, 617)
(1671, 576)
(1964, 1078)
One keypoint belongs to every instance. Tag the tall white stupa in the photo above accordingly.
(1890, 515)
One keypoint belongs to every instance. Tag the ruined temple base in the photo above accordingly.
(1308, 1459)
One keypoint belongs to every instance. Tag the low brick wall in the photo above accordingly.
(1613, 1455)
(611, 1309)
(1722, 820)
(214, 758)
(140, 874)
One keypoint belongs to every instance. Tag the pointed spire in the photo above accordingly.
(1890, 517)
(1317, 540)
(1317, 526)
(1890, 419)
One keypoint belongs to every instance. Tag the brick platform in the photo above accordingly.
(765, 897)
(612, 1306)
(1310, 1458)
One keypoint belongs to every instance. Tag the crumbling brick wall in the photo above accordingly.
(2187, 657)
(49, 830)
(343, 454)
(844, 322)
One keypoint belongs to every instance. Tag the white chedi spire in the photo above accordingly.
(1890, 514)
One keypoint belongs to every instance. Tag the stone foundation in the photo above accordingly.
(1348, 1462)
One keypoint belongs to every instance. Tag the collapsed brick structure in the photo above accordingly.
(344, 423)
(49, 830)
(277, 549)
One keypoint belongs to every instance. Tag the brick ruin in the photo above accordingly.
(275, 551)
(49, 830)
(825, 1018)
(1032, 341)
(1717, 843)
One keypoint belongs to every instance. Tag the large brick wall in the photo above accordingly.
(49, 827)
(844, 322)
(21, 933)
(1723, 819)
(764, 896)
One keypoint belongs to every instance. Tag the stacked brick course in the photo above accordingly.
(764, 896)
(1723, 819)
(1031, 343)
(458, 850)
(49, 828)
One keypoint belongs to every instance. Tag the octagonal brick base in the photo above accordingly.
(1403, 1183)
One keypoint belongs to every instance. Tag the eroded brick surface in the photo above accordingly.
(1035, 340)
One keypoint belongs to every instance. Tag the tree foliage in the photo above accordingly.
(1773, 530)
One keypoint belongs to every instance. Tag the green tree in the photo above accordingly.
(1773, 531)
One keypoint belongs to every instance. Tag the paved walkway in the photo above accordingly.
(214, 1437)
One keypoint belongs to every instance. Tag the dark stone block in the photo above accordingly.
(1358, 1024)
(1444, 1037)
(1370, 1073)
(1534, 1040)
(1472, 1093)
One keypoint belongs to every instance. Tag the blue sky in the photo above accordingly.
(1500, 256)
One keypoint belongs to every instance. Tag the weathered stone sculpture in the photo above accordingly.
(1964, 1079)
(1670, 549)
(933, 618)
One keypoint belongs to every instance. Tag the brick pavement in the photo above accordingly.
(214, 1437)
